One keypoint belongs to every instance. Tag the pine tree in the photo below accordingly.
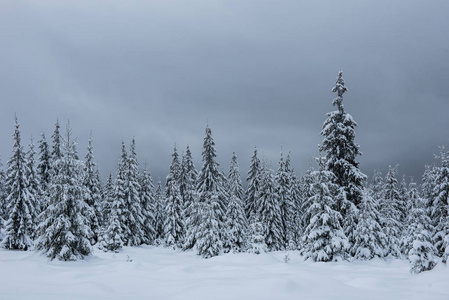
(93, 195)
(211, 202)
(324, 238)
(284, 189)
(160, 212)
(64, 232)
(440, 206)
(252, 202)
(20, 225)
(44, 170)
(148, 204)
(236, 222)
(418, 239)
(188, 179)
(174, 227)
(135, 218)
(370, 241)
(390, 213)
(340, 154)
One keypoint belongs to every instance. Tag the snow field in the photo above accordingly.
(161, 273)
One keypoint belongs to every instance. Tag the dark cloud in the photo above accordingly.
(259, 72)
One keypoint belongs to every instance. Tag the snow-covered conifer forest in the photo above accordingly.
(55, 208)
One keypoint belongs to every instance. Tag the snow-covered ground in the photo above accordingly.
(160, 273)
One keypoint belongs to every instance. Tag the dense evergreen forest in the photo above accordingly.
(53, 201)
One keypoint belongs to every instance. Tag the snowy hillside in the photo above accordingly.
(159, 273)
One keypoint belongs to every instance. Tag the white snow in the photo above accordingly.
(161, 273)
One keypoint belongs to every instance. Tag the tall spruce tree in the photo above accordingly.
(270, 210)
(340, 154)
(56, 152)
(440, 206)
(33, 182)
(148, 204)
(174, 227)
(190, 200)
(20, 225)
(64, 232)
(93, 195)
(108, 199)
(297, 200)
(44, 170)
(160, 212)
(324, 238)
(251, 206)
(236, 222)
(390, 213)
(211, 202)
(3, 196)
(284, 190)
(132, 199)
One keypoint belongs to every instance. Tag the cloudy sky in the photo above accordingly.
(260, 72)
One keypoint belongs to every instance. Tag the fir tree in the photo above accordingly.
(324, 238)
(108, 199)
(20, 225)
(390, 213)
(236, 223)
(174, 228)
(284, 189)
(64, 232)
(188, 191)
(294, 233)
(370, 241)
(270, 210)
(440, 206)
(252, 202)
(112, 237)
(93, 195)
(56, 152)
(33, 183)
(44, 170)
(211, 202)
(340, 154)
(160, 212)
(148, 204)
(135, 218)
(257, 243)
(418, 241)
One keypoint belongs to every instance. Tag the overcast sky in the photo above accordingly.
(260, 72)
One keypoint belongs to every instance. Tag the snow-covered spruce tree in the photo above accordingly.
(64, 232)
(236, 222)
(135, 217)
(324, 238)
(108, 199)
(294, 236)
(159, 213)
(3, 195)
(211, 198)
(377, 187)
(427, 190)
(418, 238)
(20, 224)
(174, 227)
(148, 204)
(251, 201)
(112, 236)
(370, 241)
(306, 183)
(257, 240)
(33, 182)
(191, 216)
(270, 210)
(120, 196)
(284, 190)
(440, 206)
(340, 154)
(44, 170)
(390, 213)
(403, 204)
(56, 152)
(93, 195)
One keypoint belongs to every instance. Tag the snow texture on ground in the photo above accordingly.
(160, 273)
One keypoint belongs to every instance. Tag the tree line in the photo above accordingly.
(58, 205)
